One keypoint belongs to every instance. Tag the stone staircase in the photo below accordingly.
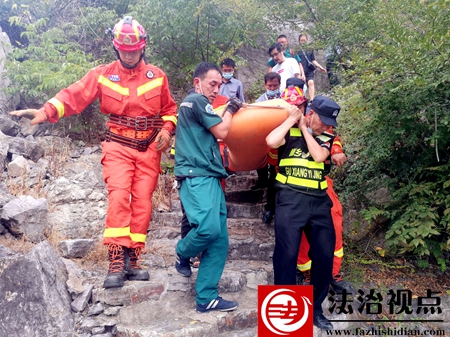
(165, 305)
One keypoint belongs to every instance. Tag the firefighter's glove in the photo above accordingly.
(36, 116)
(234, 104)
(162, 140)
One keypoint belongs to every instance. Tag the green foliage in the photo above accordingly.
(423, 224)
(184, 33)
(395, 93)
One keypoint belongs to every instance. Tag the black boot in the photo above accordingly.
(135, 271)
(116, 272)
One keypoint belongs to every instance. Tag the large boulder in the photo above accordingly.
(26, 216)
(7, 102)
(35, 301)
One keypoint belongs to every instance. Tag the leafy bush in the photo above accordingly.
(395, 75)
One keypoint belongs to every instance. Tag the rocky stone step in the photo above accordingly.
(165, 305)
(240, 181)
(246, 196)
(239, 209)
(249, 239)
(173, 219)
(244, 210)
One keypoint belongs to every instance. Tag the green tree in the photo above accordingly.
(393, 64)
(184, 33)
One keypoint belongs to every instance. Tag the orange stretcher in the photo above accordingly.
(246, 140)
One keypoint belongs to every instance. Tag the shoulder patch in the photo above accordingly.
(186, 104)
(209, 109)
(150, 74)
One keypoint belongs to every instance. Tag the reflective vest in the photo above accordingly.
(297, 168)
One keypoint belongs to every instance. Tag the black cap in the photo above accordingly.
(327, 109)
(295, 81)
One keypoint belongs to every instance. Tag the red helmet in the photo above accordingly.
(129, 35)
(294, 95)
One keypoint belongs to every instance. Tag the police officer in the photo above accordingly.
(302, 204)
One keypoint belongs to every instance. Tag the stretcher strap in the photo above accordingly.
(225, 160)
(140, 145)
(138, 123)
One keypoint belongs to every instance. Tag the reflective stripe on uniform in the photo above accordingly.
(138, 237)
(304, 267)
(324, 137)
(186, 104)
(300, 162)
(301, 182)
(116, 232)
(273, 155)
(337, 143)
(58, 105)
(113, 86)
(157, 82)
(124, 231)
(339, 252)
(295, 132)
(172, 119)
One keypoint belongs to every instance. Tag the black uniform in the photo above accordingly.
(302, 204)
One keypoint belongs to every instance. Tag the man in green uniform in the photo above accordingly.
(199, 170)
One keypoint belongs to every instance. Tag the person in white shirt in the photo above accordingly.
(285, 67)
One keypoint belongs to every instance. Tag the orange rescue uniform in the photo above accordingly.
(130, 176)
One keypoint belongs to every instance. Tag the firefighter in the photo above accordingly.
(302, 204)
(142, 116)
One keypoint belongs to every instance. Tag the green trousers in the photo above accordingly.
(204, 202)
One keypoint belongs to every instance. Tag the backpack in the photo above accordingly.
(310, 65)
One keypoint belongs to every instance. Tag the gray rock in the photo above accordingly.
(35, 302)
(26, 216)
(17, 146)
(8, 126)
(231, 282)
(75, 278)
(77, 248)
(79, 304)
(96, 309)
(98, 331)
(130, 293)
(63, 190)
(112, 311)
(18, 167)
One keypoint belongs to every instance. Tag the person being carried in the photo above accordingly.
(230, 85)
(309, 63)
(302, 204)
(266, 174)
(142, 113)
(199, 171)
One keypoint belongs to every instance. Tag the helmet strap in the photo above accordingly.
(125, 65)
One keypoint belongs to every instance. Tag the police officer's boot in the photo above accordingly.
(135, 271)
(116, 272)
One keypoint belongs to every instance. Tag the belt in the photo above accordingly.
(133, 134)
(138, 123)
(138, 144)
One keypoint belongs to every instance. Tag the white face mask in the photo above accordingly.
(309, 129)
